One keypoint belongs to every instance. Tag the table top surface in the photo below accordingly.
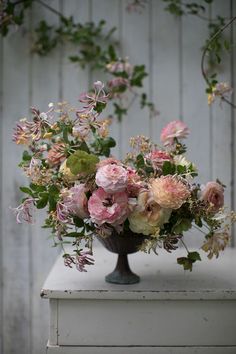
(161, 278)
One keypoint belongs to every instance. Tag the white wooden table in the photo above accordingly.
(169, 311)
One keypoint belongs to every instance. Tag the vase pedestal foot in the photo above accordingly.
(122, 273)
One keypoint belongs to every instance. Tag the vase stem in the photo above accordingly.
(122, 273)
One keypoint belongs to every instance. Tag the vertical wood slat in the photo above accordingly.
(16, 317)
(75, 79)
(195, 106)
(135, 41)
(46, 87)
(166, 67)
(1, 189)
(109, 11)
(221, 116)
(233, 118)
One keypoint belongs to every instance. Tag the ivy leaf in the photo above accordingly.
(138, 75)
(181, 226)
(36, 188)
(187, 262)
(82, 162)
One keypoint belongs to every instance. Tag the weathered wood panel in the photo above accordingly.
(170, 49)
(45, 73)
(16, 318)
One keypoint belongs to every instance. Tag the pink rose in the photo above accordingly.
(108, 208)
(175, 129)
(213, 193)
(74, 202)
(112, 178)
(158, 157)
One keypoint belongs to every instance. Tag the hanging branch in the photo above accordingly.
(206, 49)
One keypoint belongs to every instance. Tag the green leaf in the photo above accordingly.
(78, 222)
(194, 256)
(42, 202)
(74, 234)
(168, 168)
(138, 75)
(37, 188)
(26, 156)
(140, 161)
(186, 263)
(182, 225)
(27, 191)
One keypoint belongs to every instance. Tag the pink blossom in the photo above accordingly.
(112, 178)
(158, 157)
(213, 193)
(108, 208)
(175, 129)
(24, 211)
(21, 134)
(169, 192)
(56, 154)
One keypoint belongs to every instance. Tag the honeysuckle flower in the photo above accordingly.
(220, 90)
(213, 193)
(169, 192)
(118, 84)
(141, 143)
(157, 158)
(175, 129)
(148, 217)
(120, 66)
(108, 208)
(24, 211)
(216, 243)
(56, 154)
(21, 133)
(83, 259)
(112, 178)
(91, 99)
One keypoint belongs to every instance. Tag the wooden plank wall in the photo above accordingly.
(170, 49)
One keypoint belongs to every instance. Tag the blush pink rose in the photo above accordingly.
(175, 129)
(158, 157)
(112, 178)
(213, 193)
(74, 202)
(108, 161)
(108, 208)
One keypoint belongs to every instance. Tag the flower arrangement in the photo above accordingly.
(88, 192)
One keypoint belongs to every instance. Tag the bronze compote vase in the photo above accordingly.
(122, 244)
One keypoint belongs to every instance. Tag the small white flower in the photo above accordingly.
(51, 105)
(43, 115)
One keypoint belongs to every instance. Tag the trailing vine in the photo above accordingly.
(94, 47)
(214, 47)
